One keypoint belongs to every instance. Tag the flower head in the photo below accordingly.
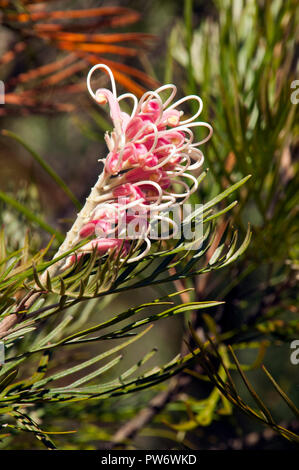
(151, 154)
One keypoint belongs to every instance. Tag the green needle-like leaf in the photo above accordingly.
(45, 166)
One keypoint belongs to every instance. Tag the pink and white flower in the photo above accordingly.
(152, 153)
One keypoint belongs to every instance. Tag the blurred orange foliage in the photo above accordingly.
(48, 49)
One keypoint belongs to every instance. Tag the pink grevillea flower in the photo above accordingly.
(102, 246)
(149, 167)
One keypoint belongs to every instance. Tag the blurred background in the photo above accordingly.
(240, 57)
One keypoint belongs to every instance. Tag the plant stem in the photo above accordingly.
(70, 240)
